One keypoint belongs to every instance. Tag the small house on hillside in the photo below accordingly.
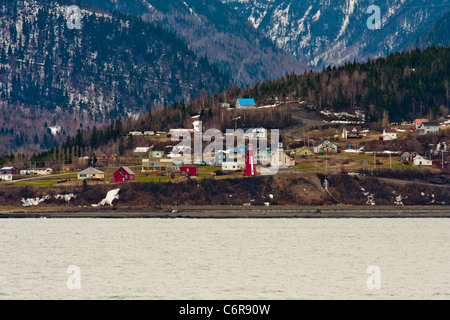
(91, 173)
(258, 132)
(140, 150)
(351, 132)
(6, 177)
(159, 165)
(408, 156)
(188, 171)
(123, 174)
(405, 157)
(108, 158)
(9, 170)
(245, 104)
(180, 132)
(428, 127)
(284, 160)
(389, 134)
(41, 171)
(303, 152)
(231, 166)
(421, 161)
(326, 146)
(232, 162)
(418, 122)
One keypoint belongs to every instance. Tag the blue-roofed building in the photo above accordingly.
(241, 149)
(245, 104)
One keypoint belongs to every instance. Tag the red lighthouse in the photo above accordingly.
(250, 165)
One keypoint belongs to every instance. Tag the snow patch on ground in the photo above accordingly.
(399, 200)
(55, 130)
(370, 197)
(110, 197)
(33, 201)
(65, 197)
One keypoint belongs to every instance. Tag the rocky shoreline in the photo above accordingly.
(281, 196)
(220, 212)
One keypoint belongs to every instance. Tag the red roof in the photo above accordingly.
(126, 169)
(419, 121)
(390, 130)
(188, 166)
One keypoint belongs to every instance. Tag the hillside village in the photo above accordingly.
(341, 144)
(361, 134)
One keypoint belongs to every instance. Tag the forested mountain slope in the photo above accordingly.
(61, 77)
(217, 31)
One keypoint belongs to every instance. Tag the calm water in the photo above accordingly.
(224, 259)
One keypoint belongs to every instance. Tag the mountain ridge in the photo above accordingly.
(323, 32)
(212, 29)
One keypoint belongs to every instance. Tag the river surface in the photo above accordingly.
(398, 258)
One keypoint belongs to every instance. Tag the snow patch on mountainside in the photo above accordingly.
(348, 11)
(325, 32)
(316, 16)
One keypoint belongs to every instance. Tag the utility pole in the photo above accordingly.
(442, 151)
(374, 159)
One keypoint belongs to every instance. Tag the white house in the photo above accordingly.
(428, 127)
(41, 171)
(389, 134)
(326, 146)
(135, 133)
(141, 149)
(421, 161)
(233, 162)
(257, 132)
(6, 177)
(231, 166)
(418, 122)
(180, 131)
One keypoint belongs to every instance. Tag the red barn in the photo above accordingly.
(188, 171)
(123, 174)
